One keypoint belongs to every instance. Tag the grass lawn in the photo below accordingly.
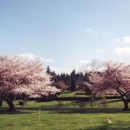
(64, 115)
(63, 120)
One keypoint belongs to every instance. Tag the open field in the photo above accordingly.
(37, 119)
(46, 116)
(65, 115)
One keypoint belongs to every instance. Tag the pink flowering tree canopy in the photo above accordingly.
(23, 76)
(115, 78)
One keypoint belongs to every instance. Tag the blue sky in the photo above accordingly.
(66, 34)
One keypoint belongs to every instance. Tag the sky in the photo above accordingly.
(66, 34)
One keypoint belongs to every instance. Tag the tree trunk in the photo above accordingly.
(126, 107)
(11, 105)
(1, 101)
(91, 100)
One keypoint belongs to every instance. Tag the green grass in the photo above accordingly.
(63, 120)
(68, 94)
(64, 115)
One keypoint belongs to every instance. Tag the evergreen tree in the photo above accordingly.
(73, 85)
(73, 77)
(48, 70)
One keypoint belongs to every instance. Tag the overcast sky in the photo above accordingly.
(66, 33)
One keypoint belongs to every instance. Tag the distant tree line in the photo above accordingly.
(112, 79)
(73, 81)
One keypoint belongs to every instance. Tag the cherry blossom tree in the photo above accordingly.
(61, 85)
(20, 76)
(115, 78)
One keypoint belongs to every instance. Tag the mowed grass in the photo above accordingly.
(64, 115)
(34, 117)
(60, 120)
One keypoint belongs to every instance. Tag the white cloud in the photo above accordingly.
(32, 57)
(48, 60)
(125, 40)
(118, 40)
(85, 61)
(60, 70)
(55, 69)
(28, 55)
(122, 51)
(63, 62)
(88, 30)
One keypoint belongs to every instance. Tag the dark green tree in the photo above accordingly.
(48, 70)
(73, 85)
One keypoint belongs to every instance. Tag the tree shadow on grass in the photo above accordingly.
(103, 127)
(106, 126)
(4, 110)
(14, 112)
(85, 110)
(113, 101)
